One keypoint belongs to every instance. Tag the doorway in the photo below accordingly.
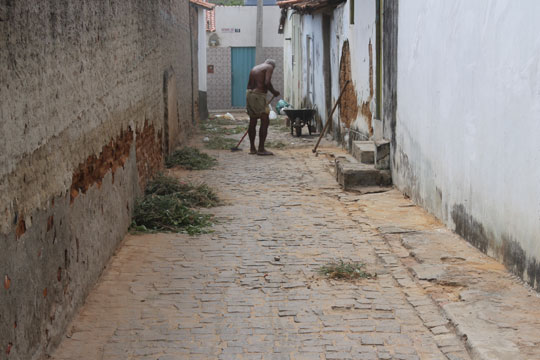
(242, 61)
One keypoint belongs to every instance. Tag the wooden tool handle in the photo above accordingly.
(329, 120)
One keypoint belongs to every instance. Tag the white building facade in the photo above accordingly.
(455, 87)
(231, 52)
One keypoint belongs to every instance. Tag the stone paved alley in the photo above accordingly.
(250, 289)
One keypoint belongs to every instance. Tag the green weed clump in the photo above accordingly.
(190, 159)
(190, 195)
(344, 271)
(165, 213)
(167, 207)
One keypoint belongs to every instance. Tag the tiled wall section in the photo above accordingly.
(276, 53)
(219, 83)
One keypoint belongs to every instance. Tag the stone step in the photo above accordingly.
(352, 174)
(382, 154)
(363, 151)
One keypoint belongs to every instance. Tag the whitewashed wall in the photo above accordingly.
(201, 51)
(468, 121)
(245, 19)
(288, 60)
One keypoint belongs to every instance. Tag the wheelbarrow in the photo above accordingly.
(300, 117)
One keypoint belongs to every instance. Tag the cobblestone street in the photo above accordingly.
(250, 290)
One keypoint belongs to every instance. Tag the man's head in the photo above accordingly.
(271, 62)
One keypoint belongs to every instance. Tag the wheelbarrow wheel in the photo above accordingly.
(298, 131)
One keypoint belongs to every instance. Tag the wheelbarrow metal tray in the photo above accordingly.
(304, 114)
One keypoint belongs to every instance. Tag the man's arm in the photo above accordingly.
(268, 81)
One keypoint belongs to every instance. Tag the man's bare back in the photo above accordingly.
(260, 79)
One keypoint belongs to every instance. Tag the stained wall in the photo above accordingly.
(467, 124)
(83, 122)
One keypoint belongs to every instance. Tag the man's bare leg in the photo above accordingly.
(263, 132)
(252, 132)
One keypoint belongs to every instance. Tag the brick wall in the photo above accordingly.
(82, 128)
(220, 82)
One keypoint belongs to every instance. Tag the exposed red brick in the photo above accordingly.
(8, 349)
(7, 282)
(45, 292)
(149, 153)
(50, 223)
(94, 169)
(366, 112)
(348, 109)
(21, 227)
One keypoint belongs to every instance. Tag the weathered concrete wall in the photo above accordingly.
(467, 122)
(82, 125)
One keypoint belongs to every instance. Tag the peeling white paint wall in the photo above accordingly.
(359, 35)
(468, 117)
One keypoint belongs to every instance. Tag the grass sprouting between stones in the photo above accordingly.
(344, 271)
(190, 159)
(275, 144)
(167, 207)
(220, 130)
(220, 143)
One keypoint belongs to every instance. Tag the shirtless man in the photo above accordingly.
(259, 84)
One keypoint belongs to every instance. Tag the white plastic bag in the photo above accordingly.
(229, 116)
(272, 115)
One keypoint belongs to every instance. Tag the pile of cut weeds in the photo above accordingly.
(345, 271)
(167, 206)
(190, 159)
(190, 195)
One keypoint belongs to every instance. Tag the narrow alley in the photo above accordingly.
(269, 180)
(251, 289)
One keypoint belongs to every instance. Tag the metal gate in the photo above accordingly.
(242, 60)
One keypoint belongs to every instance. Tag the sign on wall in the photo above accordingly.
(230, 30)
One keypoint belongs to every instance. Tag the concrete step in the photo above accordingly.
(363, 151)
(351, 174)
(382, 154)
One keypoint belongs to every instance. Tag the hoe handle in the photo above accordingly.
(329, 120)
